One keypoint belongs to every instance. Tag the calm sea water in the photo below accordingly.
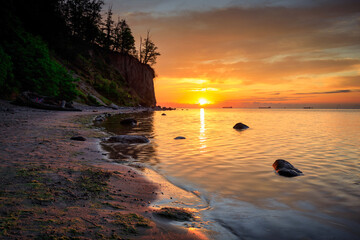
(232, 170)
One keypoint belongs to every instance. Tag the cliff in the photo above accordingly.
(138, 76)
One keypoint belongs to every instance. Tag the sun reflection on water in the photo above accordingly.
(202, 136)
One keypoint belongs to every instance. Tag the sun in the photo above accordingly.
(203, 101)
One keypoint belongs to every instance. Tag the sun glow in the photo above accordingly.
(203, 101)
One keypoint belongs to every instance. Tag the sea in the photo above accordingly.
(231, 170)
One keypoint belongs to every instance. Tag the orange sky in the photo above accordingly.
(253, 53)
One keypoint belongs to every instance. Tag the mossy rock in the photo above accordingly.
(178, 214)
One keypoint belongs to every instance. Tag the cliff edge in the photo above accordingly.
(138, 76)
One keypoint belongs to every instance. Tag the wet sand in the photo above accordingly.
(53, 187)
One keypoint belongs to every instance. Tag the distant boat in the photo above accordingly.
(264, 107)
(308, 107)
(227, 107)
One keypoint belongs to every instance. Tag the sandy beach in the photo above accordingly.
(54, 187)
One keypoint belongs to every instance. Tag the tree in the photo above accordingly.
(108, 30)
(124, 41)
(83, 18)
(148, 52)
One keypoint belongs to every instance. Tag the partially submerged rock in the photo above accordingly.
(178, 214)
(78, 138)
(240, 126)
(99, 118)
(128, 121)
(286, 169)
(127, 139)
(164, 114)
(179, 137)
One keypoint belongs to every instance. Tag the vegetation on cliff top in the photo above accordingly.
(43, 40)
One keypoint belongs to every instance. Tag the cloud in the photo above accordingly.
(330, 92)
(204, 89)
(345, 81)
(310, 46)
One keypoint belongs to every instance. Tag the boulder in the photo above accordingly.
(78, 138)
(164, 114)
(113, 106)
(127, 139)
(128, 121)
(177, 214)
(240, 126)
(179, 137)
(99, 118)
(286, 169)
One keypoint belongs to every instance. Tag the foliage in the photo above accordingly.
(107, 30)
(6, 71)
(35, 70)
(33, 32)
(113, 90)
(83, 18)
(92, 101)
(148, 51)
(124, 41)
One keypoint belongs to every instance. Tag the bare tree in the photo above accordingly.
(148, 51)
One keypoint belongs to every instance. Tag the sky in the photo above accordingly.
(251, 53)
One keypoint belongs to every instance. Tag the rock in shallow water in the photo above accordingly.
(78, 138)
(127, 139)
(286, 169)
(240, 126)
(180, 137)
(129, 121)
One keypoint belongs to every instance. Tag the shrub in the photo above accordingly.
(34, 69)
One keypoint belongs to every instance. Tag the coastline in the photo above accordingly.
(56, 187)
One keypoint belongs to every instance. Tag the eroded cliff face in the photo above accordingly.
(139, 76)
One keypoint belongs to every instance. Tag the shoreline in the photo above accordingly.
(44, 175)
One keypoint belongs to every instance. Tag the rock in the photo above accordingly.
(128, 121)
(179, 137)
(164, 114)
(178, 214)
(127, 139)
(286, 169)
(240, 126)
(78, 138)
(113, 106)
(99, 118)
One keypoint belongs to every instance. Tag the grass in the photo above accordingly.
(33, 200)
(130, 221)
(34, 184)
(93, 181)
(8, 221)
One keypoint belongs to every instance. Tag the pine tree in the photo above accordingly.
(108, 30)
(124, 41)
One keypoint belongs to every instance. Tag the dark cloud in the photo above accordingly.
(330, 92)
